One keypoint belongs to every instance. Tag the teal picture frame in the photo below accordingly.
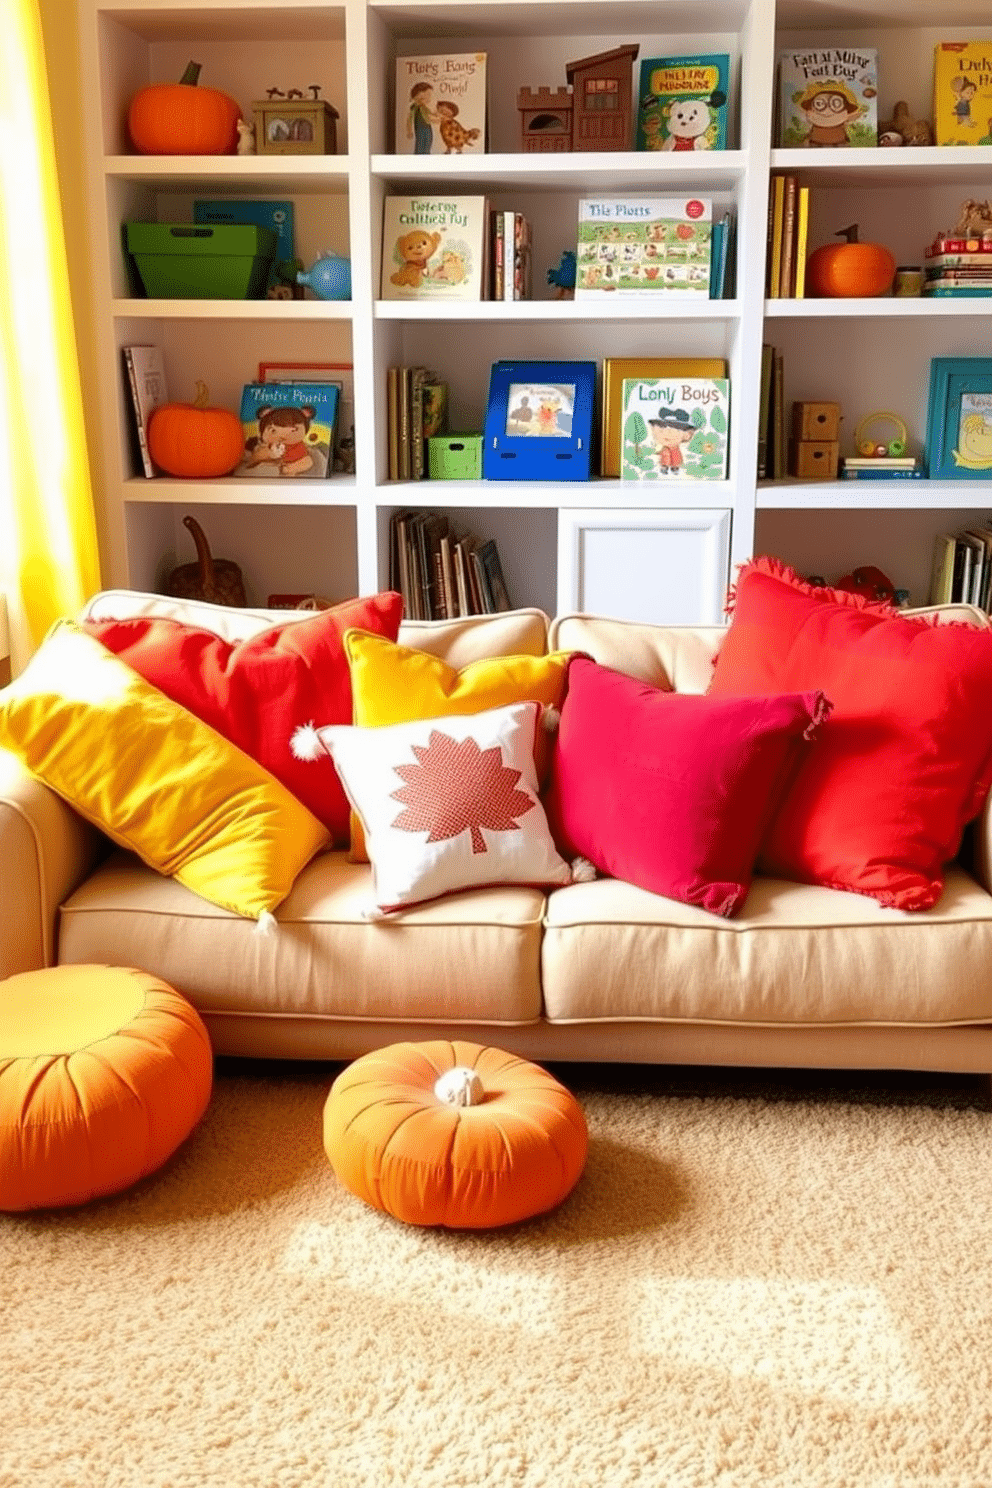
(958, 444)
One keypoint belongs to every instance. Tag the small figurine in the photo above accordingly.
(910, 131)
(563, 277)
(975, 220)
(329, 278)
(246, 137)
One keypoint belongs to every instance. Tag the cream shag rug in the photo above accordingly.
(760, 1282)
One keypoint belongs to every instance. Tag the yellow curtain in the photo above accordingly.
(49, 561)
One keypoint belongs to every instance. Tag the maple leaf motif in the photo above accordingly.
(458, 787)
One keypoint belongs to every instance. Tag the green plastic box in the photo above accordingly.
(454, 457)
(187, 261)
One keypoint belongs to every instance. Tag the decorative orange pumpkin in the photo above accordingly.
(193, 440)
(183, 119)
(850, 270)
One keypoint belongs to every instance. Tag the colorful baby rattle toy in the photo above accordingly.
(868, 447)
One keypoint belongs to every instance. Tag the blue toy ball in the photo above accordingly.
(329, 278)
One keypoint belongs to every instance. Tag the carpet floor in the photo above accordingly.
(761, 1281)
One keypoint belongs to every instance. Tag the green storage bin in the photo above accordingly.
(187, 261)
(454, 457)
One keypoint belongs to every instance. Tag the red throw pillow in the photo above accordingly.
(672, 791)
(906, 759)
(258, 692)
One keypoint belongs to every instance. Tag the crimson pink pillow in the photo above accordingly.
(905, 761)
(257, 692)
(671, 791)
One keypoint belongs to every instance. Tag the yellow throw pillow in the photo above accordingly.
(155, 778)
(394, 684)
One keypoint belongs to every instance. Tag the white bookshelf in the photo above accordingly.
(332, 536)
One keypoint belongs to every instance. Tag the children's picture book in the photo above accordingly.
(342, 375)
(682, 104)
(434, 247)
(615, 370)
(145, 372)
(640, 246)
(675, 428)
(962, 93)
(828, 97)
(441, 104)
(289, 429)
(275, 215)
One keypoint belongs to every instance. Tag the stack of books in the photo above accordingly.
(440, 574)
(881, 467)
(958, 267)
(417, 408)
(788, 226)
(962, 568)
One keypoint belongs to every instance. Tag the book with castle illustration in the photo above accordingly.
(434, 247)
(289, 429)
(828, 97)
(962, 93)
(644, 246)
(675, 428)
(441, 104)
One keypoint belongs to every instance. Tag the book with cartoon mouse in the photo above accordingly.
(962, 93)
(674, 428)
(434, 248)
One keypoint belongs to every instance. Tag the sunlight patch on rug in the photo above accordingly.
(410, 1268)
(823, 1338)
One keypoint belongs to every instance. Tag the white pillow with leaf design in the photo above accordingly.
(446, 803)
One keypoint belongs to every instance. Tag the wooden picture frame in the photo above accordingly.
(539, 421)
(958, 442)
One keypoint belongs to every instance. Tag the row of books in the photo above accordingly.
(788, 225)
(440, 574)
(962, 568)
(416, 409)
(456, 248)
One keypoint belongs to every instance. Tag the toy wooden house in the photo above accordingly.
(601, 99)
(545, 119)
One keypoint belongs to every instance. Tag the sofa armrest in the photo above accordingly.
(46, 850)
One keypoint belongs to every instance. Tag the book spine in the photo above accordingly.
(778, 410)
(787, 274)
(498, 251)
(509, 254)
(141, 437)
(418, 377)
(775, 247)
(802, 234)
(856, 474)
(393, 421)
(404, 434)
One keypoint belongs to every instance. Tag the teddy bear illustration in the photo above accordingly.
(415, 249)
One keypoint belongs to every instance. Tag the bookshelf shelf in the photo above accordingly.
(332, 537)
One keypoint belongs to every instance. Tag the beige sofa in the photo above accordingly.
(595, 971)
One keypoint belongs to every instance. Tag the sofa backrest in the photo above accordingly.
(678, 658)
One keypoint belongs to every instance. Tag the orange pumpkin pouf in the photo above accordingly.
(454, 1134)
(104, 1072)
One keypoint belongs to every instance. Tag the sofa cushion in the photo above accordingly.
(905, 760)
(676, 657)
(669, 791)
(797, 955)
(153, 777)
(257, 691)
(398, 684)
(466, 959)
(447, 803)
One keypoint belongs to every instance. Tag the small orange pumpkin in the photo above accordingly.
(195, 441)
(183, 119)
(850, 270)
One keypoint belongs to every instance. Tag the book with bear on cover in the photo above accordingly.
(434, 247)
(289, 429)
(441, 104)
(674, 428)
(962, 93)
(682, 103)
(828, 98)
(641, 246)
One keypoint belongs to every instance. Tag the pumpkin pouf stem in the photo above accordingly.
(192, 74)
(460, 1086)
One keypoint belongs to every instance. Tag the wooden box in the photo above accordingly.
(814, 459)
(295, 126)
(816, 421)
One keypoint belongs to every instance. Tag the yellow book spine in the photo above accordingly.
(802, 234)
(775, 248)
